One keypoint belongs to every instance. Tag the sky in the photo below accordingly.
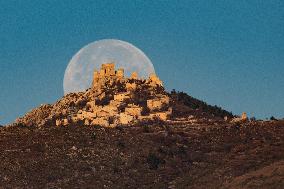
(228, 53)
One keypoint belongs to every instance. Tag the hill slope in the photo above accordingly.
(183, 106)
(149, 155)
(191, 145)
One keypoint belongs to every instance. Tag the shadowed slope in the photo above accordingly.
(143, 156)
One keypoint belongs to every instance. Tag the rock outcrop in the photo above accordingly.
(242, 118)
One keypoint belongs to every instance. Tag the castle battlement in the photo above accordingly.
(108, 72)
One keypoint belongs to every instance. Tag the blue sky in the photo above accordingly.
(228, 53)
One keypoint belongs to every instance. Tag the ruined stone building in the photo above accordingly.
(114, 99)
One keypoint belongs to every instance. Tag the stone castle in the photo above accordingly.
(108, 73)
(115, 99)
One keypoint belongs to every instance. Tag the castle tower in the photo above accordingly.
(96, 78)
(96, 75)
(107, 70)
(120, 73)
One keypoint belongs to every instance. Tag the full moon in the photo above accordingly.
(79, 72)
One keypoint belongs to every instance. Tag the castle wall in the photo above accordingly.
(134, 111)
(161, 115)
(120, 73)
(100, 121)
(108, 69)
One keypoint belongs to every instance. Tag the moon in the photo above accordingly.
(79, 72)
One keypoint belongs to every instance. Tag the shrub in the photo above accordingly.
(121, 144)
(146, 128)
(154, 161)
(195, 104)
(119, 127)
(253, 119)
(157, 121)
(94, 135)
(96, 126)
(21, 125)
(272, 118)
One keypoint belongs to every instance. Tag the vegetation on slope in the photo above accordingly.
(143, 156)
(185, 104)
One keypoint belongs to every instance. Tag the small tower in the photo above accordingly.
(120, 73)
(96, 78)
(96, 75)
(108, 70)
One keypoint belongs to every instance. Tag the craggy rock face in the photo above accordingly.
(36, 116)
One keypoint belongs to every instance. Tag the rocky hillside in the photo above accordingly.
(131, 133)
(196, 148)
(147, 155)
(183, 106)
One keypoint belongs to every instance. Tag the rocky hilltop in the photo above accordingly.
(116, 100)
